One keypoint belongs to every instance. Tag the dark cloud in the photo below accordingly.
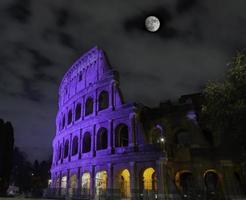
(66, 40)
(185, 5)
(41, 39)
(62, 17)
(30, 92)
(20, 10)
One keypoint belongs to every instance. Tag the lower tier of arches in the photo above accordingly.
(122, 178)
(143, 180)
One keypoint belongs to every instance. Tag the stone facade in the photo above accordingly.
(105, 146)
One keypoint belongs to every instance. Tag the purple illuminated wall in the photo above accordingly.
(95, 130)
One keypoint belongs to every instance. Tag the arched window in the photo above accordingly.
(63, 121)
(89, 106)
(149, 180)
(75, 146)
(64, 182)
(121, 135)
(186, 182)
(211, 181)
(70, 117)
(156, 136)
(80, 76)
(78, 111)
(101, 182)
(66, 149)
(103, 100)
(102, 139)
(85, 183)
(73, 184)
(124, 183)
(86, 143)
(183, 138)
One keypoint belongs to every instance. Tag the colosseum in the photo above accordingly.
(105, 148)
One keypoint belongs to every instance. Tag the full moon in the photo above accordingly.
(152, 23)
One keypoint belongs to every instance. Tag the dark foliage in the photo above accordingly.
(29, 177)
(224, 108)
(6, 153)
(21, 175)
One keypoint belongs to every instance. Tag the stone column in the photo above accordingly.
(92, 181)
(70, 148)
(80, 143)
(111, 95)
(132, 130)
(84, 78)
(110, 135)
(93, 140)
(83, 108)
(79, 182)
(73, 113)
(228, 181)
(62, 153)
(54, 156)
(160, 178)
(110, 177)
(66, 118)
(68, 182)
(95, 104)
(133, 179)
(52, 180)
(60, 179)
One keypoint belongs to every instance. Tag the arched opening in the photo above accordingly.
(86, 143)
(63, 185)
(101, 182)
(121, 136)
(89, 106)
(75, 146)
(102, 139)
(85, 183)
(183, 138)
(63, 122)
(66, 149)
(184, 182)
(211, 181)
(70, 117)
(78, 111)
(156, 136)
(103, 100)
(212, 184)
(73, 184)
(149, 179)
(64, 182)
(124, 181)
(80, 76)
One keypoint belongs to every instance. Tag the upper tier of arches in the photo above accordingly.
(90, 68)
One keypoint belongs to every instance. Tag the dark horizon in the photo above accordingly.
(43, 39)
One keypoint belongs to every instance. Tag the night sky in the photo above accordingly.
(40, 39)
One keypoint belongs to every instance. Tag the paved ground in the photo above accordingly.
(20, 198)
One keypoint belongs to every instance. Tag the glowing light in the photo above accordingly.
(64, 182)
(86, 181)
(147, 177)
(101, 181)
(125, 183)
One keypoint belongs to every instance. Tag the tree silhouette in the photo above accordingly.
(6, 153)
